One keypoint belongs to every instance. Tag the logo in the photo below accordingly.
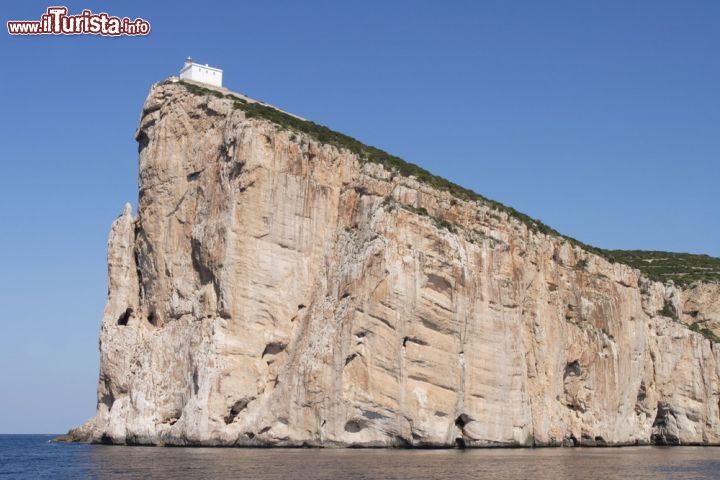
(57, 22)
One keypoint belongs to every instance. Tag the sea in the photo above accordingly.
(34, 456)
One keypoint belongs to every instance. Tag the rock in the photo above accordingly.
(700, 304)
(275, 290)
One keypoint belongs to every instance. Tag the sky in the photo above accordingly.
(600, 118)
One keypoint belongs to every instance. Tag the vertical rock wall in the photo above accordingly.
(273, 290)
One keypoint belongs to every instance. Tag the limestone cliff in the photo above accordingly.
(277, 290)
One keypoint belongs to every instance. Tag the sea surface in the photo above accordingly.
(33, 456)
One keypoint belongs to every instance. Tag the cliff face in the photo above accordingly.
(274, 290)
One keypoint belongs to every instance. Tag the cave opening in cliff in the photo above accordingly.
(462, 420)
(125, 317)
(572, 369)
(143, 140)
(353, 426)
(273, 348)
(236, 408)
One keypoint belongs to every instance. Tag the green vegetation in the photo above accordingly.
(416, 210)
(705, 332)
(442, 223)
(682, 268)
(439, 223)
(198, 90)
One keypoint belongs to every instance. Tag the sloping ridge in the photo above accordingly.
(682, 268)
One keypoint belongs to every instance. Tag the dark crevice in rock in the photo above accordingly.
(353, 426)
(195, 380)
(664, 427)
(173, 418)
(194, 175)
(350, 358)
(373, 415)
(641, 396)
(152, 108)
(460, 442)
(152, 319)
(142, 139)
(642, 392)
(204, 272)
(462, 420)
(236, 170)
(125, 317)
(572, 369)
(136, 255)
(107, 397)
(586, 440)
(235, 410)
(242, 188)
(209, 111)
(273, 348)
(414, 340)
(226, 150)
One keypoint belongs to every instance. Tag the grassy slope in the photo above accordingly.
(682, 268)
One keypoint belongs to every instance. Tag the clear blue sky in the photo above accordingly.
(601, 118)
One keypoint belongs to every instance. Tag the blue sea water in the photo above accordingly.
(33, 456)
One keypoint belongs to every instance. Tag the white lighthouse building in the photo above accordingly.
(201, 73)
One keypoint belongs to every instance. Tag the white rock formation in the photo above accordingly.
(274, 290)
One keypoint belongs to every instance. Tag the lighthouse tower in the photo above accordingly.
(201, 73)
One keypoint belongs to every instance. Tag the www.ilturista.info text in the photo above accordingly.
(57, 22)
